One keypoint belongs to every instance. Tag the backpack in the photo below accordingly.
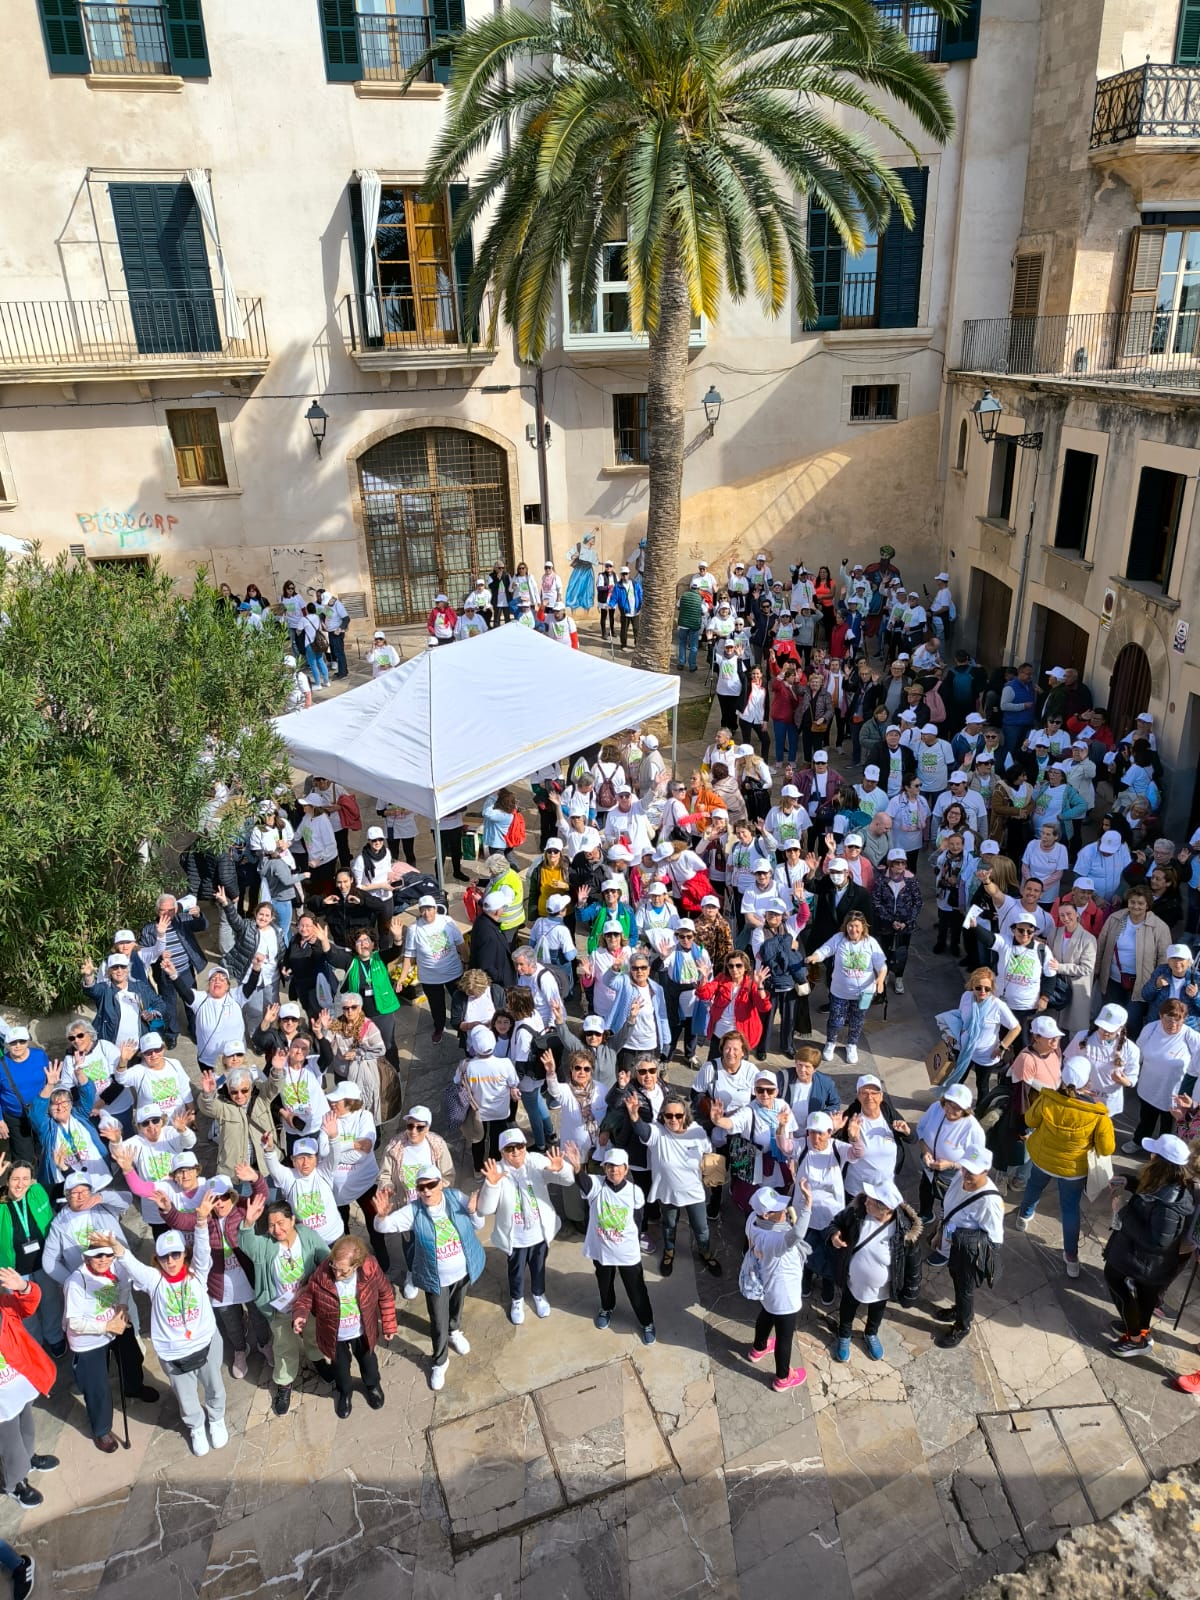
(964, 686)
(515, 834)
(937, 709)
(606, 792)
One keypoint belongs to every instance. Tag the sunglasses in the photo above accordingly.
(765, 1090)
(427, 1188)
(146, 1121)
(672, 1116)
(647, 1072)
(79, 1036)
(416, 1127)
(641, 967)
(982, 988)
(156, 1050)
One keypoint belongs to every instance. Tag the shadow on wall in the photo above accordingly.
(877, 486)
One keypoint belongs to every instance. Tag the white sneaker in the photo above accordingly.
(1131, 1148)
(459, 1344)
(218, 1433)
(1072, 1266)
(237, 1367)
(516, 1312)
(829, 1051)
(541, 1305)
(1021, 1224)
(851, 1054)
(437, 1376)
(199, 1441)
(410, 1290)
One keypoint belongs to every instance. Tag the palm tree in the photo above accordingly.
(688, 128)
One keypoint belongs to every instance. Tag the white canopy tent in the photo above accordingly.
(457, 722)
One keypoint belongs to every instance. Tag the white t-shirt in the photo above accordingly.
(612, 1229)
(451, 1257)
(349, 1315)
(434, 947)
(1044, 864)
(870, 1273)
(878, 1165)
(781, 1253)
(1167, 1058)
(129, 1019)
(168, 1087)
(287, 1272)
(490, 1080)
(16, 1391)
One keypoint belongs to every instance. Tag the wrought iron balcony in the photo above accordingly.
(124, 40)
(392, 331)
(143, 335)
(388, 46)
(1153, 101)
(1124, 349)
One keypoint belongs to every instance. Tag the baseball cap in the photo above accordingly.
(185, 1158)
(976, 1161)
(959, 1095)
(118, 960)
(429, 1175)
(426, 900)
(593, 1024)
(1110, 842)
(1170, 1147)
(894, 855)
(511, 1136)
(1111, 1018)
(124, 936)
(1085, 883)
(613, 1158)
(1179, 952)
(345, 1091)
(819, 1122)
(419, 1114)
(169, 1243)
(868, 1081)
(375, 833)
(291, 1010)
(766, 1199)
(305, 1147)
(1046, 1028)
(886, 1194)
(150, 1041)
(557, 903)
(790, 792)
(481, 1041)
(871, 773)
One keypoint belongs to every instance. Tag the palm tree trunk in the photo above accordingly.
(666, 418)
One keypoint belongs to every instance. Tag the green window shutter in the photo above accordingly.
(185, 38)
(1187, 45)
(825, 252)
(62, 29)
(960, 40)
(445, 16)
(901, 252)
(339, 34)
(358, 256)
(464, 265)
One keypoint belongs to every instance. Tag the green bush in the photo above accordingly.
(123, 703)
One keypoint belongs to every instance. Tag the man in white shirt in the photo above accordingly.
(627, 821)
(540, 981)
(941, 612)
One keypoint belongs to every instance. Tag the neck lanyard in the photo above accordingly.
(21, 1207)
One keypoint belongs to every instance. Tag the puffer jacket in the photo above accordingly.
(1145, 1243)
(1065, 1127)
(888, 908)
(906, 1246)
(245, 944)
(239, 1128)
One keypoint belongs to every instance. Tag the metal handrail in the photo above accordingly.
(388, 46)
(1138, 349)
(1153, 101)
(137, 328)
(410, 322)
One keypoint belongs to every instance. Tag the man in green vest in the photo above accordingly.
(690, 622)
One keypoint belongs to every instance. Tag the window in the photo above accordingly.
(1162, 292)
(1004, 473)
(920, 25)
(1027, 284)
(1155, 527)
(1075, 500)
(880, 287)
(379, 39)
(631, 436)
(119, 39)
(196, 438)
(960, 455)
(417, 279)
(610, 313)
(874, 402)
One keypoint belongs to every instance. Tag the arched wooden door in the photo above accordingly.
(1129, 689)
(436, 515)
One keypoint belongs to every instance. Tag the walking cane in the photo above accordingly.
(121, 1391)
(1187, 1292)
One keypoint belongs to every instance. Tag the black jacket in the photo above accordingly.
(853, 1222)
(348, 915)
(784, 965)
(490, 952)
(185, 929)
(890, 1114)
(245, 944)
(826, 920)
(1145, 1246)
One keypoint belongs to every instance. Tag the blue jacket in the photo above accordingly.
(617, 1020)
(39, 1114)
(1156, 996)
(107, 1020)
(186, 928)
(424, 1264)
(823, 1095)
(30, 1079)
(620, 599)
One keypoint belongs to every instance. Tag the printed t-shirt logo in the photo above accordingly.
(611, 1219)
(310, 1208)
(348, 1312)
(290, 1268)
(162, 1087)
(445, 1238)
(1023, 966)
(855, 959)
(157, 1165)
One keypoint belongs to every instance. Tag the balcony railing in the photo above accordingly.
(148, 330)
(388, 46)
(404, 323)
(1153, 101)
(920, 25)
(860, 301)
(124, 39)
(1130, 349)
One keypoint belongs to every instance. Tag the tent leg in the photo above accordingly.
(674, 737)
(441, 865)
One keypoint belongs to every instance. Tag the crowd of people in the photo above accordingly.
(731, 928)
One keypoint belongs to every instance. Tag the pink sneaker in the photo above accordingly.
(793, 1380)
(756, 1355)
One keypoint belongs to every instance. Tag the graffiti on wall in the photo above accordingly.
(133, 530)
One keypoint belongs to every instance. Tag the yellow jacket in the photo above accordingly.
(515, 915)
(1065, 1128)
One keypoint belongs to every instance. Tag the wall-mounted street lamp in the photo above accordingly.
(987, 413)
(712, 408)
(318, 420)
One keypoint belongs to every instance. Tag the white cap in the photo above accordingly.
(871, 773)
(656, 888)
(957, 777)
(289, 661)
(1076, 1071)
(789, 792)
(1046, 1028)
(976, 1161)
(710, 900)
(763, 866)
(496, 900)
(868, 1081)
(776, 906)
(511, 1136)
(426, 900)
(1024, 919)
(959, 1095)
(908, 716)
(766, 1077)
(124, 936)
(613, 1158)
(94, 1181)
(854, 841)
(886, 1194)
(557, 903)
(665, 851)
(593, 1024)
(1056, 672)
(291, 1009)
(613, 883)
(1179, 952)
(612, 926)
(1110, 842)
(439, 599)
(695, 583)
(145, 1111)
(767, 1199)
(1170, 1147)
(429, 1175)
(481, 1041)
(379, 634)
(941, 577)
(990, 847)
(897, 855)
(974, 717)
(1060, 766)
(375, 833)
(117, 960)
(150, 1041)
(839, 864)
(185, 1158)
(169, 1243)
(819, 1122)
(1085, 883)
(345, 1091)
(1143, 716)
(685, 925)
(820, 755)
(984, 758)
(1111, 1018)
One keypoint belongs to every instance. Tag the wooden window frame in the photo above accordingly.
(209, 455)
(641, 428)
(425, 307)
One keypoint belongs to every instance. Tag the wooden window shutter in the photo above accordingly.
(464, 266)
(825, 254)
(185, 38)
(1027, 284)
(445, 16)
(1141, 289)
(1187, 44)
(960, 40)
(339, 35)
(902, 250)
(62, 29)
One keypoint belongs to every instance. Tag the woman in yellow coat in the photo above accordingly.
(1066, 1125)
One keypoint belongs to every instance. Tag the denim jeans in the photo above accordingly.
(689, 641)
(337, 644)
(316, 665)
(1070, 1199)
(283, 910)
(787, 736)
(541, 1127)
(532, 1256)
(697, 1221)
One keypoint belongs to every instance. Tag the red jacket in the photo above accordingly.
(446, 612)
(17, 1347)
(376, 1305)
(750, 1005)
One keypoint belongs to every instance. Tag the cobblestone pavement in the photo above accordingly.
(561, 1461)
